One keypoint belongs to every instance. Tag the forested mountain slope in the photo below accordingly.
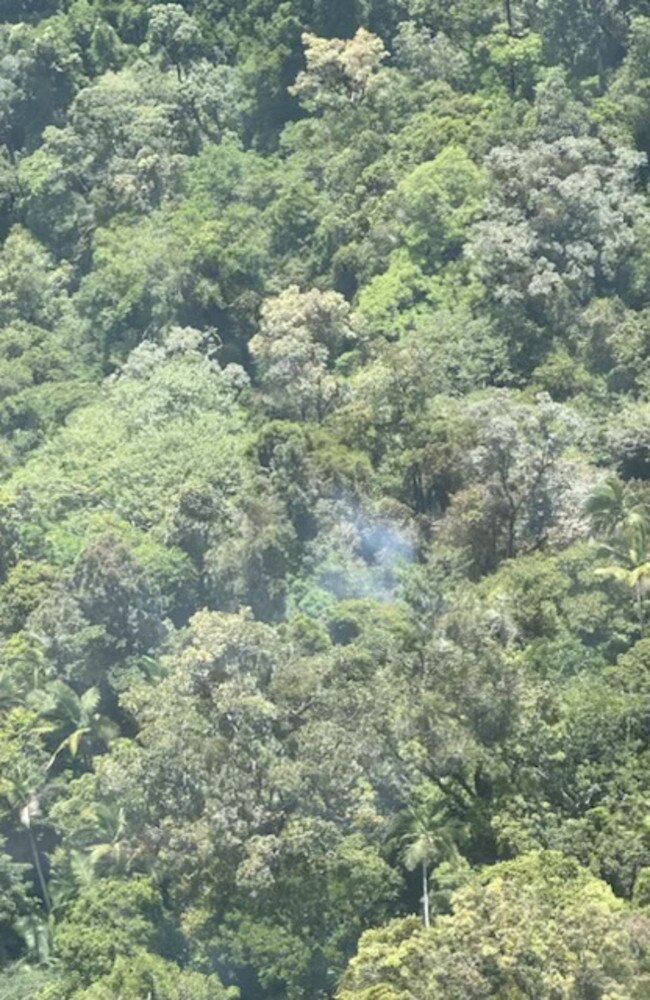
(324, 500)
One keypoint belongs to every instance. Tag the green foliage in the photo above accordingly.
(540, 924)
(109, 920)
(325, 450)
(137, 977)
(438, 202)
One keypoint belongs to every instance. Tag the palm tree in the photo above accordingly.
(425, 836)
(608, 506)
(627, 527)
(111, 848)
(42, 931)
(22, 787)
(421, 850)
(78, 716)
(100, 848)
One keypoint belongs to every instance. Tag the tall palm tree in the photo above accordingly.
(627, 528)
(425, 835)
(40, 930)
(421, 850)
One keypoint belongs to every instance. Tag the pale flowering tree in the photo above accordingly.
(301, 334)
(339, 71)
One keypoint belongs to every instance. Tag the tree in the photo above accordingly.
(43, 69)
(15, 906)
(80, 717)
(115, 594)
(172, 31)
(559, 229)
(33, 288)
(110, 919)
(425, 55)
(421, 849)
(589, 38)
(609, 506)
(627, 531)
(437, 203)
(301, 336)
(339, 72)
(519, 479)
(630, 85)
(170, 412)
(526, 927)
(144, 975)
(293, 851)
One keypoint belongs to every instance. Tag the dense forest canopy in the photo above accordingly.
(324, 500)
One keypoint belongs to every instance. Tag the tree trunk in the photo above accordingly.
(425, 895)
(509, 20)
(600, 62)
(640, 610)
(39, 872)
(511, 32)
